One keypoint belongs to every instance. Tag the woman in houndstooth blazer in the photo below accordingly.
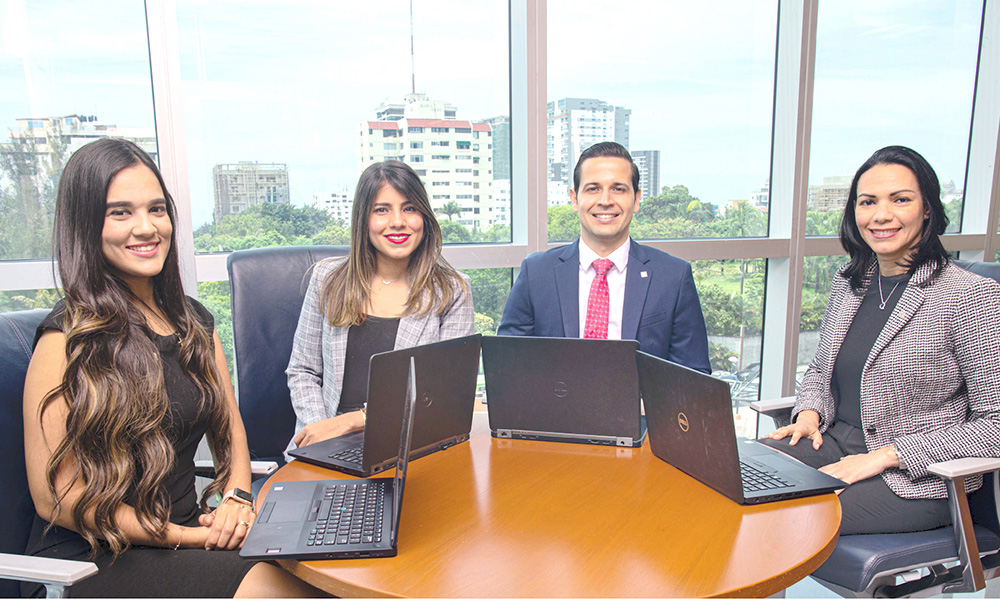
(394, 290)
(906, 372)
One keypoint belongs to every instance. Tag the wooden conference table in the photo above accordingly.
(518, 518)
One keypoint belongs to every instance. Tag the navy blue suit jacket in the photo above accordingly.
(661, 308)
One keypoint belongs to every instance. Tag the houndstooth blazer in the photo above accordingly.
(316, 367)
(931, 384)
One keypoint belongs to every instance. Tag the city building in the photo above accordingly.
(454, 158)
(337, 204)
(648, 162)
(238, 186)
(71, 132)
(575, 124)
(830, 195)
(761, 197)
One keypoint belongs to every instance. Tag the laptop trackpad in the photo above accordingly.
(288, 511)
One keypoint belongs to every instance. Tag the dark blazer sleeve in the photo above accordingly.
(518, 315)
(689, 339)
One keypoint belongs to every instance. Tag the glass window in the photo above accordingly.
(62, 90)
(262, 85)
(28, 299)
(695, 110)
(817, 276)
(891, 74)
(732, 299)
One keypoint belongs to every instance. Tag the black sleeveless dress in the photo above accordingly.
(143, 571)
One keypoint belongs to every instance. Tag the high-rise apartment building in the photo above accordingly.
(238, 186)
(454, 158)
(761, 198)
(648, 162)
(75, 131)
(337, 204)
(830, 195)
(575, 124)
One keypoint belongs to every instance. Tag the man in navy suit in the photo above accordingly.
(650, 294)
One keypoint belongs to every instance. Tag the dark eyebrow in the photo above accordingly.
(128, 204)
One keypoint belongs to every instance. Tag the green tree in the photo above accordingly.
(451, 208)
(453, 233)
(490, 288)
(563, 223)
(29, 180)
(741, 220)
(672, 203)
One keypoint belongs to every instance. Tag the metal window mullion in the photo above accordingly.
(164, 66)
(794, 75)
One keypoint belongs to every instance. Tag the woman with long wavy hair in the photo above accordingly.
(127, 376)
(393, 291)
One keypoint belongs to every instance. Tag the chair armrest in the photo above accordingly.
(964, 467)
(47, 571)
(954, 473)
(258, 468)
(262, 467)
(766, 406)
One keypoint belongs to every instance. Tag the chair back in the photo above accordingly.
(17, 331)
(268, 286)
(986, 269)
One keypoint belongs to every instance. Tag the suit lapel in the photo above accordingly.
(636, 286)
(567, 274)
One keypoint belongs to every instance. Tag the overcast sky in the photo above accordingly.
(289, 82)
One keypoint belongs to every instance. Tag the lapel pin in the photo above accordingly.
(643, 274)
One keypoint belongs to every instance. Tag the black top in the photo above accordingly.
(375, 335)
(865, 328)
(182, 423)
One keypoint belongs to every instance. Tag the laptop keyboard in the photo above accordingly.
(348, 514)
(351, 455)
(755, 480)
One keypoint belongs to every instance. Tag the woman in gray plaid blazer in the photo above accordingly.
(394, 290)
(906, 372)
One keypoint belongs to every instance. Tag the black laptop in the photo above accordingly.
(563, 390)
(446, 395)
(341, 518)
(690, 418)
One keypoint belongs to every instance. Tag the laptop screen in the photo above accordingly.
(409, 408)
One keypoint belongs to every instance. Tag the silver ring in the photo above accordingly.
(243, 523)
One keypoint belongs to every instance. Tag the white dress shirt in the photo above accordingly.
(616, 286)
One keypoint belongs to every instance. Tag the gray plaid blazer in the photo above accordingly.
(931, 385)
(316, 367)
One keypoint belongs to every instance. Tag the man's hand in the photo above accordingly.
(329, 428)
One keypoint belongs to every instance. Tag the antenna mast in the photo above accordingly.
(413, 68)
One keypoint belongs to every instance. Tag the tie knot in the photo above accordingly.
(602, 266)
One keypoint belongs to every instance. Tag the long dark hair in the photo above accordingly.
(928, 249)
(434, 284)
(113, 383)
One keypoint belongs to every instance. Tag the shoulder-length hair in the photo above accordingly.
(434, 284)
(117, 426)
(928, 248)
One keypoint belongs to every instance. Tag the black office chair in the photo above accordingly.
(17, 330)
(268, 286)
(954, 559)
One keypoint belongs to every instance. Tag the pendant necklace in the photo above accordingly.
(885, 299)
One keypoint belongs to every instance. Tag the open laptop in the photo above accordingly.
(446, 395)
(690, 420)
(341, 518)
(563, 390)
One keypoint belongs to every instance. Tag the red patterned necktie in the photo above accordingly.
(597, 302)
